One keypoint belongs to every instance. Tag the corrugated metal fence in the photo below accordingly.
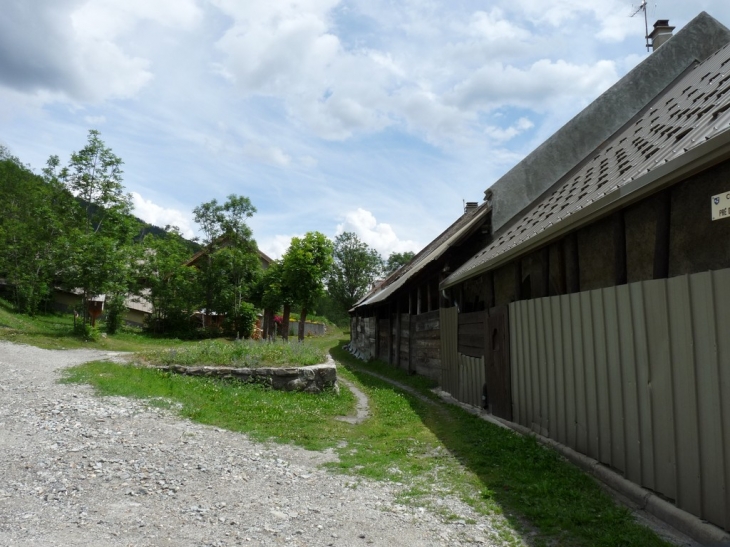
(472, 376)
(637, 377)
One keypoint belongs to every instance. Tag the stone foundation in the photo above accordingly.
(311, 379)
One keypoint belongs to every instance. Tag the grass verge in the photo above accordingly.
(241, 353)
(435, 451)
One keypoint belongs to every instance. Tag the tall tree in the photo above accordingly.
(97, 253)
(171, 286)
(397, 260)
(306, 265)
(355, 267)
(231, 266)
(33, 220)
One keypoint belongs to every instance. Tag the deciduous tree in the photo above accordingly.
(355, 267)
(397, 260)
(306, 265)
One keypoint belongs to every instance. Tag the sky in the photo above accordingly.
(377, 117)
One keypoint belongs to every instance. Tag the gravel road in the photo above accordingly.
(77, 469)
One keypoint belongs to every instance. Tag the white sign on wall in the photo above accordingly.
(721, 206)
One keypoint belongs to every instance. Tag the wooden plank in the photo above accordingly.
(397, 333)
(661, 242)
(471, 318)
(411, 338)
(689, 494)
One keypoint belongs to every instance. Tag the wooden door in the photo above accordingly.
(496, 361)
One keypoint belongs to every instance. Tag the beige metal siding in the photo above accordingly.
(472, 376)
(637, 377)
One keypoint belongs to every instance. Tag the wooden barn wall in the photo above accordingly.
(405, 341)
(383, 347)
(426, 357)
(637, 377)
(472, 331)
(449, 319)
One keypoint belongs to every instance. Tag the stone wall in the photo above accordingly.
(311, 379)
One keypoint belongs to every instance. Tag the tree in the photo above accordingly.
(306, 265)
(31, 224)
(271, 294)
(397, 260)
(97, 253)
(231, 267)
(355, 267)
(173, 287)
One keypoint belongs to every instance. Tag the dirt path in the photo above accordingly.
(83, 470)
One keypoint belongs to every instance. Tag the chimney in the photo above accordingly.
(470, 206)
(661, 33)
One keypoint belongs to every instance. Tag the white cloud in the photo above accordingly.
(162, 216)
(267, 154)
(536, 87)
(74, 50)
(500, 134)
(95, 120)
(277, 245)
(380, 236)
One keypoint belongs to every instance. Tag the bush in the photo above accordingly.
(115, 308)
(86, 332)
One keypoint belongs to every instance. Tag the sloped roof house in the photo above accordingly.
(606, 279)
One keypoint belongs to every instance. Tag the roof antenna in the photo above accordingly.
(642, 7)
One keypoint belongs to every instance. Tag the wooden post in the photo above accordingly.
(376, 314)
(390, 333)
(493, 293)
(397, 332)
(411, 336)
(572, 263)
(661, 242)
(545, 263)
(518, 280)
(428, 297)
(418, 300)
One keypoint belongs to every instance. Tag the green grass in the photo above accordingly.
(55, 331)
(264, 414)
(243, 353)
(434, 450)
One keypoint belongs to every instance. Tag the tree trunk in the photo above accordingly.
(285, 322)
(302, 320)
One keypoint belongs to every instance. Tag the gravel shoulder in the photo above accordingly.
(78, 469)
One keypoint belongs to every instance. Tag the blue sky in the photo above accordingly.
(370, 116)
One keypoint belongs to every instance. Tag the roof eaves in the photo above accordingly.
(449, 237)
